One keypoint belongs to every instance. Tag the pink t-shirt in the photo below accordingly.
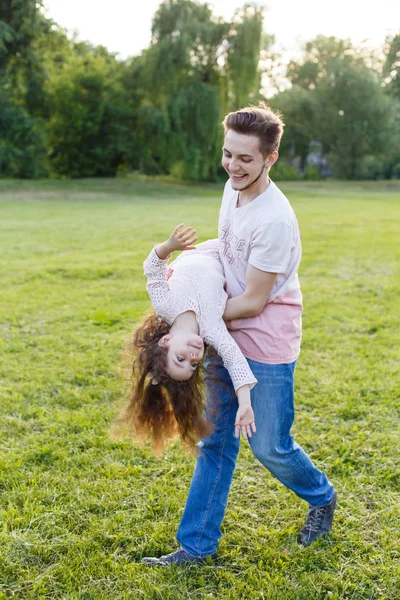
(265, 234)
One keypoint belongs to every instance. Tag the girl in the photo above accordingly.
(189, 299)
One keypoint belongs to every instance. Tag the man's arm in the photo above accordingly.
(254, 298)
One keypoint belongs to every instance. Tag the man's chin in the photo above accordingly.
(238, 185)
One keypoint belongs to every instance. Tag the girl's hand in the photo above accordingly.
(182, 238)
(244, 422)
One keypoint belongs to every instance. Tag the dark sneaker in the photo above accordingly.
(318, 523)
(179, 557)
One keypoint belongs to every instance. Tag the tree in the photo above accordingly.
(197, 68)
(299, 108)
(89, 124)
(181, 77)
(22, 143)
(195, 130)
(186, 43)
(353, 119)
(322, 58)
(22, 151)
(391, 66)
(244, 44)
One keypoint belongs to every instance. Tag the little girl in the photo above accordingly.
(189, 300)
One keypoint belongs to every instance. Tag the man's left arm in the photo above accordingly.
(251, 303)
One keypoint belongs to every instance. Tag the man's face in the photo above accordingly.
(243, 161)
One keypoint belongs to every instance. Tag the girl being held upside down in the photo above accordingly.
(188, 298)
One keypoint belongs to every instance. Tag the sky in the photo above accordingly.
(124, 26)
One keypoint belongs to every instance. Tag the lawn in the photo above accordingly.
(79, 509)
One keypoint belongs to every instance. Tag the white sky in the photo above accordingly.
(124, 26)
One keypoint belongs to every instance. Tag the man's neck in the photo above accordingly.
(248, 195)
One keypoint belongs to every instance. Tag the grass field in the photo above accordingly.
(79, 510)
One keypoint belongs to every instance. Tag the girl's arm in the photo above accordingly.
(233, 358)
(244, 422)
(242, 378)
(156, 267)
(180, 239)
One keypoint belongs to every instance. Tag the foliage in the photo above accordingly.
(22, 146)
(88, 128)
(357, 119)
(300, 108)
(195, 130)
(391, 66)
(83, 112)
(243, 55)
(284, 172)
(338, 100)
(22, 139)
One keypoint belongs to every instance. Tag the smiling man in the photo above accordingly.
(260, 249)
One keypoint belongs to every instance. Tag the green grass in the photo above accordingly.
(78, 510)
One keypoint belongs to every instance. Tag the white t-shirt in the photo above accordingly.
(264, 234)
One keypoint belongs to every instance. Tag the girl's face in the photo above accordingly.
(185, 351)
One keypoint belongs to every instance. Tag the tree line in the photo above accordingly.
(72, 109)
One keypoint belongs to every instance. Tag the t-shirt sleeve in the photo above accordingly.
(271, 247)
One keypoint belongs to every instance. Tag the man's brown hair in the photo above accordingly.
(260, 121)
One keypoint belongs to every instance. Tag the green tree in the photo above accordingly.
(322, 58)
(195, 130)
(22, 143)
(353, 118)
(299, 108)
(391, 66)
(186, 43)
(89, 127)
(244, 45)
(21, 85)
(181, 77)
(196, 68)
(356, 119)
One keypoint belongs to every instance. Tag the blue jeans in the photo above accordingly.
(273, 404)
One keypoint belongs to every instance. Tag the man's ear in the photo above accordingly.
(271, 160)
(164, 341)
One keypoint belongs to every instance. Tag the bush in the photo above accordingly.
(284, 172)
(370, 167)
(22, 148)
(311, 173)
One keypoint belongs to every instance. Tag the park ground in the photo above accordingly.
(79, 508)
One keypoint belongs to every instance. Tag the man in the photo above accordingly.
(260, 248)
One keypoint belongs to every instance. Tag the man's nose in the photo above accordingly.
(232, 165)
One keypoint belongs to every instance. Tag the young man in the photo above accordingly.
(260, 248)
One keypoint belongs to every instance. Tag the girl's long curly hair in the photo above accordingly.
(161, 408)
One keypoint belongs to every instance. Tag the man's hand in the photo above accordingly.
(244, 422)
(182, 238)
